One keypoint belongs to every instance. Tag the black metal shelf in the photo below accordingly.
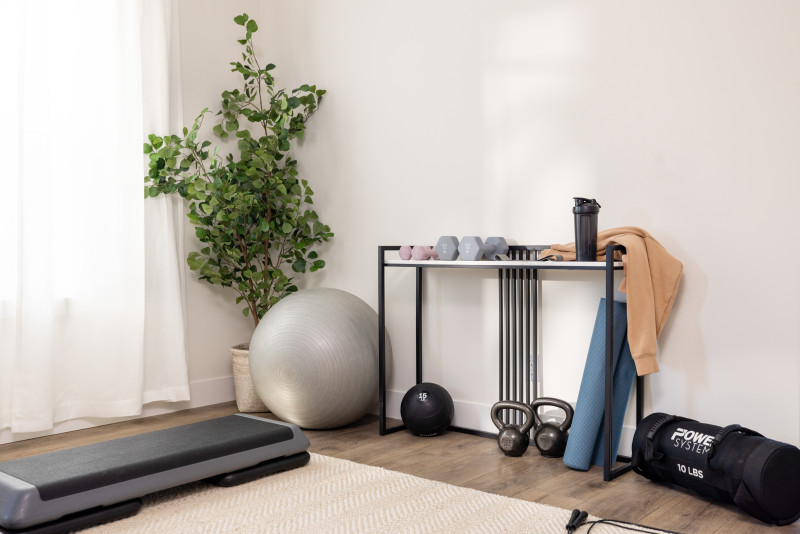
(518, 330)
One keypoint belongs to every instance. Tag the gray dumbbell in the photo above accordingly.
(447, 247)
(471, 248)
(494, 247)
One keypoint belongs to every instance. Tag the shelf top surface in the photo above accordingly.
(510, 264)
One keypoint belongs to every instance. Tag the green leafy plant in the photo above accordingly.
(251, 210)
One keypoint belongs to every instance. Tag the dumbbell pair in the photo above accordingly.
(418, 253)
(448, 248)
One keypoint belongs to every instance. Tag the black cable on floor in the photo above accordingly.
(635, 527)
(578, 519)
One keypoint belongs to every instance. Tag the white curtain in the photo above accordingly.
(91, 312)
(166, 376)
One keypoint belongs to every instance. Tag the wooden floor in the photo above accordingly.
(472, 462)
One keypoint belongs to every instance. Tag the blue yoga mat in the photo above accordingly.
(588, 419)
(624, 374)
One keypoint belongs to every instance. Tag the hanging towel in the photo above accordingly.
(624, 373)
(652, 277)
(588, 419)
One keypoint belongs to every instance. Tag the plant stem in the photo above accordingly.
(253, 312)
(258, 86)
(251, 304)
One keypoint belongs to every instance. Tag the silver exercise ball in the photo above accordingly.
(314, 358)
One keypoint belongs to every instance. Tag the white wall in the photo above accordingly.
(215, 322)
(475, 118)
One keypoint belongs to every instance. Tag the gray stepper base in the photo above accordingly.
(42, 488)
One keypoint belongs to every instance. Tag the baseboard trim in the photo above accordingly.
(211, 391)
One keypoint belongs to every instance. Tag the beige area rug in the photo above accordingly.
(330, 495)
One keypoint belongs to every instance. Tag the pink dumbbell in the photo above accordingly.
(421, 253)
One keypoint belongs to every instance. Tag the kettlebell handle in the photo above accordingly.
(530, 414)
(558, 403)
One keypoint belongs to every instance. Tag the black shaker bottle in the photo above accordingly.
(586, 211)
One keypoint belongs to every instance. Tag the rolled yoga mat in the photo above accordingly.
(588, 420)
(624, 374)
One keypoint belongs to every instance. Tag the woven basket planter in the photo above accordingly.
(247, 399)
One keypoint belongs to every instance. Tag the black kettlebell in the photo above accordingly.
(551, 439)
(512, 439)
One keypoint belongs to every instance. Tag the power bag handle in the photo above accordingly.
(650, 453)
(724, 433)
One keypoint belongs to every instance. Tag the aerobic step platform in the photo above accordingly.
(76, 488)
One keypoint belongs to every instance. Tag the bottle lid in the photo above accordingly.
(585, 206)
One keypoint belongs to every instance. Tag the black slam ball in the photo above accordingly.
(427, 409)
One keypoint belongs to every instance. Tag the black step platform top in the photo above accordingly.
(88, 467)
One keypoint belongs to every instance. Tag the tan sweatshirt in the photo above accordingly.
(651, 282)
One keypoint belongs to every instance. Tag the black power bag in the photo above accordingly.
(734, 464)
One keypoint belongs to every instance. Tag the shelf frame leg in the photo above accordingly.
(418, 312)
(609, 473)
(382, 428)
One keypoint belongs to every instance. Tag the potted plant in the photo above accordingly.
(252, 211)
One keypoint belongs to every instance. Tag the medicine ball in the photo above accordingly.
(427, 409)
